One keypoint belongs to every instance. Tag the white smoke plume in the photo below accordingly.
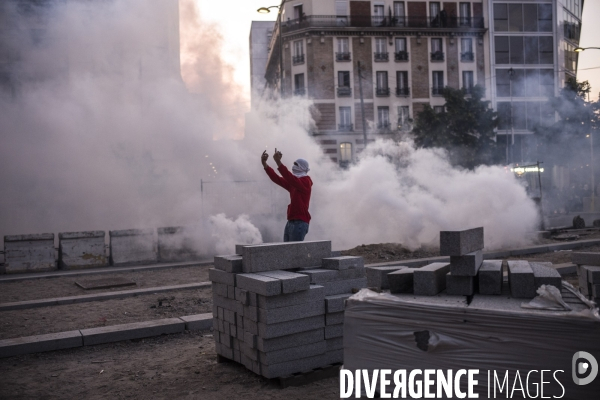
(228, 232)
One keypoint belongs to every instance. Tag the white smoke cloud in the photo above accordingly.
(228, 232)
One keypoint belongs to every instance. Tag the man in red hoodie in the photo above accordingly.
(299, 184)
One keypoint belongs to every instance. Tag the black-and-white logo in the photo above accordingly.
(585, 368)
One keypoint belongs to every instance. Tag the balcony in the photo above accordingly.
(299, 92)
(402, 91)
(345, 127)
(344, 91)
(298, 59)
(467, 56)
(437, 56)
(382, 92)
(437, 91)
(380, 57)
(343, 56)
(401, 56)
(383, 126)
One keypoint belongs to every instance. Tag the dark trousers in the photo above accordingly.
(295, 230)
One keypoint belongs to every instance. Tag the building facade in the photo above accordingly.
(261, 33)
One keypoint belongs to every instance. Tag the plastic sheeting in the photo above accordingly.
(492, 333)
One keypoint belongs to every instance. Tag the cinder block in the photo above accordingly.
(593, 274)
(228, 304)
(334, 357)
(336, 302)
(292, 353)
(566, 268)
(290, 281)
(430, 279)
(40, 343)
(177, 243)
(226, 278)
(377, 277)
(291, 313)
(290, 327)
(231, 292)
(295, 339)
(240, 331)
(596, 291)
(259, 284)
(586, 258)
(292, 367)
(236, 356)
(583, 275)
(281, 256)
(133, 246)
(198, 322)
(346, 286)
(225, 339)
(333, 331)
(246, 298)
(239, 320)
(318, 276)
(251, 313)
(250, 326)
(314, 293)
(334, 318)
(80, 250)
(231, 263)
(29, 253)
(342, 262)
(229, 316)
(219, 289)
(544, 274)
(521, 279)
(401, 281)
(459, 285)
(466, 265)
(334, 343)
(136, 330)
(459, 243)
(490, 277)
(249, 351)
(227, 328)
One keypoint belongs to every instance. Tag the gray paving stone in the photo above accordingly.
(460, 285)
(136, 330)
(281, 256)
(318, 276)
(40, 343)
(231, 292)
(231, 263)
(219, 288)
(250, 339)
(259, 284)
(336, 302)
(586, 258)
(295, 339)
(566, 268)
(229, 316)
(226, 278)
(290, 282)
(292, 367)
(334, 343)
(490, 277)
(377, 277)
(251, 313)
(430, 279)
(544, 274)
(240, 331)
(292, 353)
(251, 326)
(521, 279)
(459, 243)
(334, 318)
(198, 322)
(593, 274)
(228, 304)
(314, 293)
(583, 275)
(227, 328)
(342, 262)
(401, 281)
(287, 328)
(245, 297)
(466, 265)
(333, 331)
(239, 320)
(225, 340)
(334, 357)
(249, 352)
(346, 286)
(291, 313)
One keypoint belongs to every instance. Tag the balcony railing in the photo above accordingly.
(402, 91)
(343, 56)
(324, 21)
(382, 56)
(344, 91)
(299, 92)
(437, 56)
(345, 127)
(384, 126)
(381, 92)
(437, 91)
(298, 59)
(467, 56)
(401, 56)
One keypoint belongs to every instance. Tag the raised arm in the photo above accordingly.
(272, 174)
(301, 185)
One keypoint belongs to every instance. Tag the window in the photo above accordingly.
(531, 50)
(516, 50)
(522, 17)
(402, 83)
(547, 82)
(467, 77)
(532, 82)
(524, 50)
(382, 84)
(465, 14)
(515, 17)
(345, 152)
(383, 117)
(399, 15)
(544, 17)
(501, 17)
(525, 83)
(341, 12)
(344, 83)
(502, 49)
(378, 14)
(401, 49)
(299, 84)
(403, 118)
(438, 82)
(466, 45)
(434, 13)
(298, 12)
(343, 47)
(546, 50)
(437, 53)
(381, 53)
(298, 52)
(525, 115)
(345, 119)
(530, 18)
(570, 57)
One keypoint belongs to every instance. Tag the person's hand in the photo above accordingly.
(277, 157)
(264, 158)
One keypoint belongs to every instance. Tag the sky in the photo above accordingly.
(234, 24)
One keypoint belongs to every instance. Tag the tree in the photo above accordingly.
(465, 128)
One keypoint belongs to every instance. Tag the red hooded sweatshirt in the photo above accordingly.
(299, 189)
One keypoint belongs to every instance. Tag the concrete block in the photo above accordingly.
(198, 322)
(226, 278)
(231, 292)
(289, 255)
(401, 281)
(177, 243)
(586, 258)
(290, 281)
(460, 285)
(226, 328)
(240, 331)
(250, 339)
(334, 318)
(239, 320)
(291, 313)
(80, 250)
(246, 298)
(259, 284)
(459, 243)
(346, 286)
(29, 253)
(40, 343)
(490, 277)
(251, 313)
(377, 276)
(521, 279)
(250, 326)
(292, 353)
(333, 331)
(593, 274)
(292, 367)
(334, 344)
(225, 339)
(544, 274)
(236, 356)
(136, 330)
(295, 339)
(249, 351)
(566, 268)
(336, 302)
(133, 246)
(582, 275)
(596, 291)
(314, 293)
(228, 304)
(430, 279)
(231, 263)
(290, 327)
(334, 357)
(229, 316)
(318, 276)
(336, 253)
(466, 265)
(342, 262)
(219, 288)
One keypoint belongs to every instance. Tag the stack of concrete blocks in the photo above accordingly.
(277, 322)
(176, 243)
(465, 249)
(29, 253)
(81, 250)
(588, 269)
(525, 278)
(133, 246)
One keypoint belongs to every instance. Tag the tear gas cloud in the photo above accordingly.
(101, 133)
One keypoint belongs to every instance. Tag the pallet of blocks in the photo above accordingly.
(278, 308)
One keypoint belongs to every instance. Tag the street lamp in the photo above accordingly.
(580, 49)
(267, 10)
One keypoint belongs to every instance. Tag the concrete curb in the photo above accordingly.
(57, 301)
(104, 334)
